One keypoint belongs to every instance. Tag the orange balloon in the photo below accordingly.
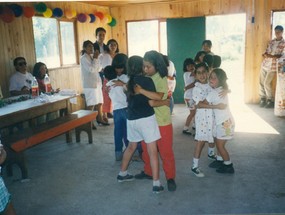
(68, 14)
(29, 12)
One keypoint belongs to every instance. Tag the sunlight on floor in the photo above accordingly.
(248, 121)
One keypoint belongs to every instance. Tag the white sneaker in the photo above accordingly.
(197, 172)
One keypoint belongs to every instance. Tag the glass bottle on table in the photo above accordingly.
(35, 88)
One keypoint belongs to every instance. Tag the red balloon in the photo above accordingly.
(29, 12)
(7, 15)
(100, 15)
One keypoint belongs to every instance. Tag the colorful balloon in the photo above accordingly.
(48, 13)
(41, 7)
(82, 17)
(74, 13)
(100, 15)
(109, 17)
(92, 18)
(29, 12)
(113, 23)
(57, 12)
(17, 9)
(68, 14)
(7, 15)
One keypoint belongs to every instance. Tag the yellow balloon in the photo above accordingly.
(109, 17)
(74, 13)
(48, 13)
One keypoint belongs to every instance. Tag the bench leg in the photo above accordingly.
(87, 128)
(68, 137)
(15, 158)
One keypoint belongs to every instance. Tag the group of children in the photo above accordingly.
(206, 97)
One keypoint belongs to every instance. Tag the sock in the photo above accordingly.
(211, 151)
(123, 173)
(219, 158)
(186, 127)
(195, 162)
(156, 183)
(228, 162)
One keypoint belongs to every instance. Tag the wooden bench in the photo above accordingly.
(18, 142)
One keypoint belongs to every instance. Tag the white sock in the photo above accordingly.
(186, 127)
(219, 158)
(227, 162)
(211, 151)
(156, 183)
(123, 173)
(195, 163)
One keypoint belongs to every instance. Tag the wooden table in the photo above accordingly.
(27, 110)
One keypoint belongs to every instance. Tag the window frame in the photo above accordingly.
(145, 20)
(73, 21)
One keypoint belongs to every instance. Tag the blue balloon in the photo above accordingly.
(17, 9)
(92, 18)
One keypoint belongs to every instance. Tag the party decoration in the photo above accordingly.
(109, 17)
(29, 12)
(113, 22)
(73, 13)
(68, 14)
(48, 13)
(82, 17)
(57, 12)
(7, 15)
(17, 9)
(41, 7)
(100, 15)
(92, 18)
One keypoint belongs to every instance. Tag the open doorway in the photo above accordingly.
(228, 39)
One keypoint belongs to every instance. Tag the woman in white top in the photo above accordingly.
(91, 82)
(106, 59)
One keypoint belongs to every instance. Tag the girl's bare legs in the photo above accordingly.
(222, 149)
(98, 108)
(198, 149)
(153, 155)
(128, 155)
(197, 153)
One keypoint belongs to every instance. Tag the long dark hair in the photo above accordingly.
(187, 61)
(84, 46)
(112, 41)
(120, 61)
(134, 68)
(156, 59)
(37, 72)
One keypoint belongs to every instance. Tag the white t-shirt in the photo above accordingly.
(220, 115)
(19, 80)
(117, 95)
(105, 60)
(171, 73)
(188, 79)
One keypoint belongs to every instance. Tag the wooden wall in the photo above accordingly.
(17, 39)
(257, 33)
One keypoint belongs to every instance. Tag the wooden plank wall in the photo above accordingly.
(16, 39)
(257, 33)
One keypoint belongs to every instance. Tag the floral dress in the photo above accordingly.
(203, 117)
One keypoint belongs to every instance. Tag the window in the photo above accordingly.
(54, 42)
(144, 36)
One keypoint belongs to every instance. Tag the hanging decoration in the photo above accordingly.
(81, 17)
(7, 15)
(17, 10)
(113, 22)
(100, 15)
(29, 12)
(41, 7)
(57, 12)
(9, 12)
(48, 13)
(92, 18)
